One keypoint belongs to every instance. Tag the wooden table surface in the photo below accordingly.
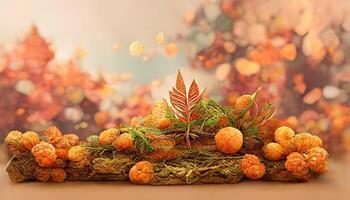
(332, 186)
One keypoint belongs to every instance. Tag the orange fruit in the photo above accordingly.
(141, 173)
(229, 140)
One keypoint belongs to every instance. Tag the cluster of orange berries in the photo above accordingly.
(50, 152)
(303, 151)
(314, 160)
(112, 136)
(287, 142)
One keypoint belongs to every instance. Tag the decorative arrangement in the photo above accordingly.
(187, 140)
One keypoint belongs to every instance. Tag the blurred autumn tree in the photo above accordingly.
(295, 51)
(37, 92)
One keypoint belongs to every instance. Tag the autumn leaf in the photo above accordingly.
(183, 102)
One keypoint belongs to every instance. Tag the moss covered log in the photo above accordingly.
(194, 166)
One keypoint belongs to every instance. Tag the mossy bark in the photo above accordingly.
(194, 166)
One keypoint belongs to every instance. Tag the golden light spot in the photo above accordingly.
(313, 96)
(222, 71)
(289, 52)
(160, 38)
(81, 53)
(171, 49)
(136, 48)
(246, 67)
(229, 46)
(116, 46)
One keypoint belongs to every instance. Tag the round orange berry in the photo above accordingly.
(296, 164)
(283, 134)
(316, 159)
(252, 167)
(62, 153)
(243, 101)
(141, 173)
(108, 136)
(135, 122)
(249, 160)
(58, 175)
(44, 154)
(163, 123)
(303, 142)
(13, 138)
(67, 141)
(255, 172)
(149, 121)
(29, 139)
(53, 134)
(229, 140)
(273, 151)
(123, 142)
(77, 153)
(316, 141)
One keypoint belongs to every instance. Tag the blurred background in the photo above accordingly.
(84, 65)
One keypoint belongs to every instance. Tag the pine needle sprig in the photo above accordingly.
(141, 142)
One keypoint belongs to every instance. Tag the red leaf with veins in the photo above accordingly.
(183, 102)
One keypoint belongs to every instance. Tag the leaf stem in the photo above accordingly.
(187, 136)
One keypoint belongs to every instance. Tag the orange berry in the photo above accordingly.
(67, 141)
(53, 134)
(163, 123)
(108, 136)
(303, 142)
(296, 165)
(288, 147)
(135, 122)
(163, 149)
(273, 151)
(316, 141)
(123, 142)
(316, 159)
(229, 140)
(44, 154)
(255, 172)
(249, 160)
(62, 153)
(77, 153)
(141, 173)
(243, 101)
(252, 167)
(283, 134)
(29, 139)
(13, 138)
(58, 175)
(149, 121)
